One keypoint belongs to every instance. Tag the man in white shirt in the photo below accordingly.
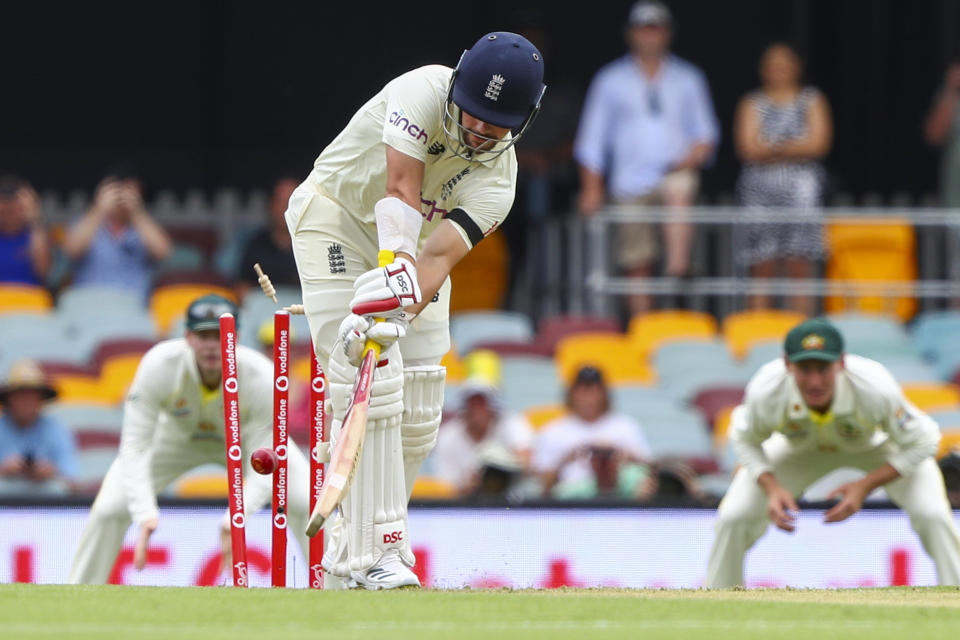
(481, 430)
(563, 449)
(424, 170)
(812, 412)
(172, 423)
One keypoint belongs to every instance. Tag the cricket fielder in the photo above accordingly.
(425, 169)
(173, 422)
(812, 412)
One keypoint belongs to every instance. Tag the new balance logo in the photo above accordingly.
(335, 259)
(494, 87)
(436, 149)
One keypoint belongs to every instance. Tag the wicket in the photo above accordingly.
(281, 411)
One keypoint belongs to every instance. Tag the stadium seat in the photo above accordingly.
(721, 426)
(514, 348)
(94, 326)
(874, 336)
(430, 488)
(540, 416)
(183, 257)
(871, 252)
(480, 279)
(169, 303)
(624, 397)
(207, 481)
(470, 329)
(92, 466)
(45, 346)
(947, 360)
(552, 329)
(455, 368)
(116, 374)
(947, 419)
(79, 299)
(760, 353)
(89, 438)
(712, 400)
(933, 329)
(83, 389)
(932, 397)
(17, 298)
(87, 416)
(685, 368)
(744, 329)
(529, 382)
(613, 353)
(681, 433)
(908, 370)
(949, 441)
(651, 330)
(111, 348)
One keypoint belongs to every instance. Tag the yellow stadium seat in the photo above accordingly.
(721, 425)
(116, 374)
(456, 370)
(300, 369)
(949, 441)
(429, 488)
(613, 353)
(539, 416)
(169, 303)
(82, 389)
(933, 396)
(744, 329)
(651, 330)
(16, 298)
(202, 485)
(881, 251)
(480, 279)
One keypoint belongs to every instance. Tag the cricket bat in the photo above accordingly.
(346, 453)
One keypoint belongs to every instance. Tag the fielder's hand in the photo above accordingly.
(384, 291)
(355, 330)
(147, 527)
(781, 509)
(852, 495)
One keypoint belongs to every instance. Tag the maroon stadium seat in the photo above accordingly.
(111, 348)
(714, 399)
(552, 329)
(512, 348)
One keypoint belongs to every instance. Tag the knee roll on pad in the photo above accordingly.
(422, 412)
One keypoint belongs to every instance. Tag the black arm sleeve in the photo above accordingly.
(465, 222)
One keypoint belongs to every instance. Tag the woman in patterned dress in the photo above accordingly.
(781, 132)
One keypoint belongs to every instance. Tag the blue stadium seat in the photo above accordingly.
(874, 336)
(92, 326)
(684, 368)
(762, 353)
(83, 416)
(83, 298)
(529, 381)
(468, 329)
(911, 370)
(638, 401)
(947, 419)
(932, 329)
(677, 433)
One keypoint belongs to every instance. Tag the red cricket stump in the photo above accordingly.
(231, 425)
(281, 401)
(318, 389)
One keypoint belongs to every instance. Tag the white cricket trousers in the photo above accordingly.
(742, 515)
(109, 519)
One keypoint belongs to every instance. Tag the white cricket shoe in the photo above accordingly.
(389, 573)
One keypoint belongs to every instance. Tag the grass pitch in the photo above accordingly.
(37, 611)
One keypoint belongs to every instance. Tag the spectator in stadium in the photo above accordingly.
(781, 131)
(647, 128)
(482, 437)
(563, 453)
(615, 474)
(116, 241)
(24, 243)
(942, 129)
(271, 246)
(36, 451)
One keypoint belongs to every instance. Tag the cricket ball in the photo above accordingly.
(264, 460)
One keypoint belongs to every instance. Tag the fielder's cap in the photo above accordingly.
(500, 79)
(588, 375)
(649, 13)
(204, 313)
(26, 375)
(815, 339)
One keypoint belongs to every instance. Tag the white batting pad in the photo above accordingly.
(375, 506)
(422, 412)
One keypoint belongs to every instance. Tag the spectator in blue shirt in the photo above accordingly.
(24, 243)
(648, 126)
(35, 449)
(116, 241)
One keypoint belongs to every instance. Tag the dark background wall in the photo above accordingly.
(206, 94)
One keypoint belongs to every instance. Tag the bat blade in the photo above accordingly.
(346, 453)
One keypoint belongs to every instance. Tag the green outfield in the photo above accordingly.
(32, 611)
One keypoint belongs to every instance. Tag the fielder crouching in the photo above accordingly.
(172, 423)
(811, 412)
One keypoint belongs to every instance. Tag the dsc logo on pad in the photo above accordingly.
(392, 537)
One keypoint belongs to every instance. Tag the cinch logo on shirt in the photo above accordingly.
(398, 120)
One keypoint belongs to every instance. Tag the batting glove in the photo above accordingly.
(384, 291)
(356, 330)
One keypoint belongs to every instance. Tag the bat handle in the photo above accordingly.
(383, 259)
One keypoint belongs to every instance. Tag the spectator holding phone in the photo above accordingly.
(24, 242)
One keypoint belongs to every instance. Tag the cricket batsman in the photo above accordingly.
(814, 411)
(425, 169)
(172, 423)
